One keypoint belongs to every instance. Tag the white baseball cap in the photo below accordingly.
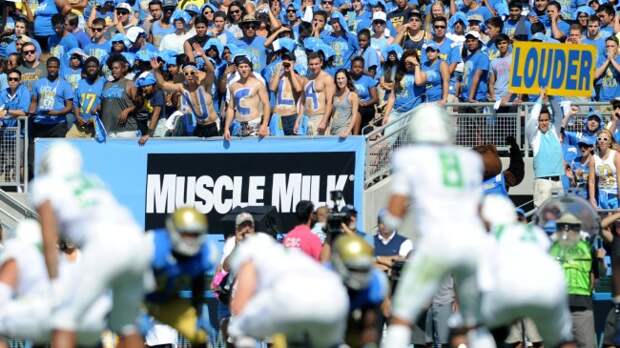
(125, 6)
(379, 16)
(133, 33)
(473, 33)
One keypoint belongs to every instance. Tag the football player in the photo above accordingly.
(181, 258)
(26, 296)
(352, 258)
(284, 291)
(78, 208)
(443, 184)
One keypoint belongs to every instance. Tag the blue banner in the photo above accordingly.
(216, 176)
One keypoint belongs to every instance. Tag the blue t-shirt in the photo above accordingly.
(433, 80)
(51, 95)
(88, 97)
(43, 18)
(599, 43)
(510, 27)
(371, 296)
(345, 47)
(371, 58)
(83, 39)
(473, 63)
(563, 26)
(610, 80)
(98, 50)
(409, 95)
(71, 75)
(19, 101)
(256, 51)
(483, 11)
(580, 172)
(158, 32)
(59, 46)
(363, 85)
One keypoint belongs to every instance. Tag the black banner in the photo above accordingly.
(217, 183)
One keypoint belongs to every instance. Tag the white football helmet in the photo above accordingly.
(430, 123)
(61, 158)
(498, 210)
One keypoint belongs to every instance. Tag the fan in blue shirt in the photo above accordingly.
(14, 100)
(608, 71)
(52, 96)
(341, 41)
(62, 41)
(476, 70)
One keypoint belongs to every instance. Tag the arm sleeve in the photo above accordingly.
(516, 166)
(400, 179)
(532, 123)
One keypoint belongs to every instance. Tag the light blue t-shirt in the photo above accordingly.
(51, 95)
(473, 63)
(88, 97)
(363, 85)
(409, 95)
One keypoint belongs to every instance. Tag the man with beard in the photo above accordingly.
(87, 101)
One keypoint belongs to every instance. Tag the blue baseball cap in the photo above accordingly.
(145, 55)
(119, 37)
(169, 57)
(145, 79)
(588, 141)
(596, 115)
(431, 45)
(78, 52)
(191, 7)
(312, 44)
(284, 44)
(129, 57)
(181, 15)
(392, 48)
(214, 42)
(584, 9)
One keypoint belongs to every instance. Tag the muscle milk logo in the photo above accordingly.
(166, 192)
(215, 184)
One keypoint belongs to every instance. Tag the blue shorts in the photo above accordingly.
(607, 200)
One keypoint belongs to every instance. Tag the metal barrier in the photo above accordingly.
(14, 156)
(475, 124)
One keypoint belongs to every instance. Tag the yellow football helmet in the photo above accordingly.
(353, 259)
(187, 228)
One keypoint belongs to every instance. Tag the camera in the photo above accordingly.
(336, 216)
(287, 65)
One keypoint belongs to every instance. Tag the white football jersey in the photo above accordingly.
(443, 183)
(273, 261)
(79, 202)
(30, 264)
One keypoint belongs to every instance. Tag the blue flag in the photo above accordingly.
(100, 133)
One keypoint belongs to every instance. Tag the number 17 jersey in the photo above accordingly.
(443, 184)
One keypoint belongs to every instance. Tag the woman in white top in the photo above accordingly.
(174, 41)
(604, 172)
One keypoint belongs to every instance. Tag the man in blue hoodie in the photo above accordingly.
(593, 125)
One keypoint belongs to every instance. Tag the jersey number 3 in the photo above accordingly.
(451, 174)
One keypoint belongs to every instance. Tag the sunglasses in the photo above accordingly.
(603, 139)
(290, 11)
(28, 52)
(98, 29)
(327, 2)
(234, 11)
(440, 27)
(76, 57)
(207, 12)
(249, 26)
(378, 23)
(13, 79)
(189, 73)
(122, 12)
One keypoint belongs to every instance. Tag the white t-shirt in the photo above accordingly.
(80, 203)
(173, 42)
(444, 184)
(273, 261)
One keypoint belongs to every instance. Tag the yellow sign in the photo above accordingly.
(563, 69)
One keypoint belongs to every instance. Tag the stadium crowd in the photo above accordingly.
(155, 68)
(142, 69)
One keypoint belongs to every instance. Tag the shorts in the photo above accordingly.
(607, 200)
(246, 129)
(313, 124)
(544, 188)
(77, 131)
(516, 332)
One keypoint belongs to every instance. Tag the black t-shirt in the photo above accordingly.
(146, 109)
(200, 40)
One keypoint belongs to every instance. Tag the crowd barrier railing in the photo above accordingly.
(475, 124)
(14, 156)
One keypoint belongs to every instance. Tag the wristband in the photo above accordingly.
(151, 132)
